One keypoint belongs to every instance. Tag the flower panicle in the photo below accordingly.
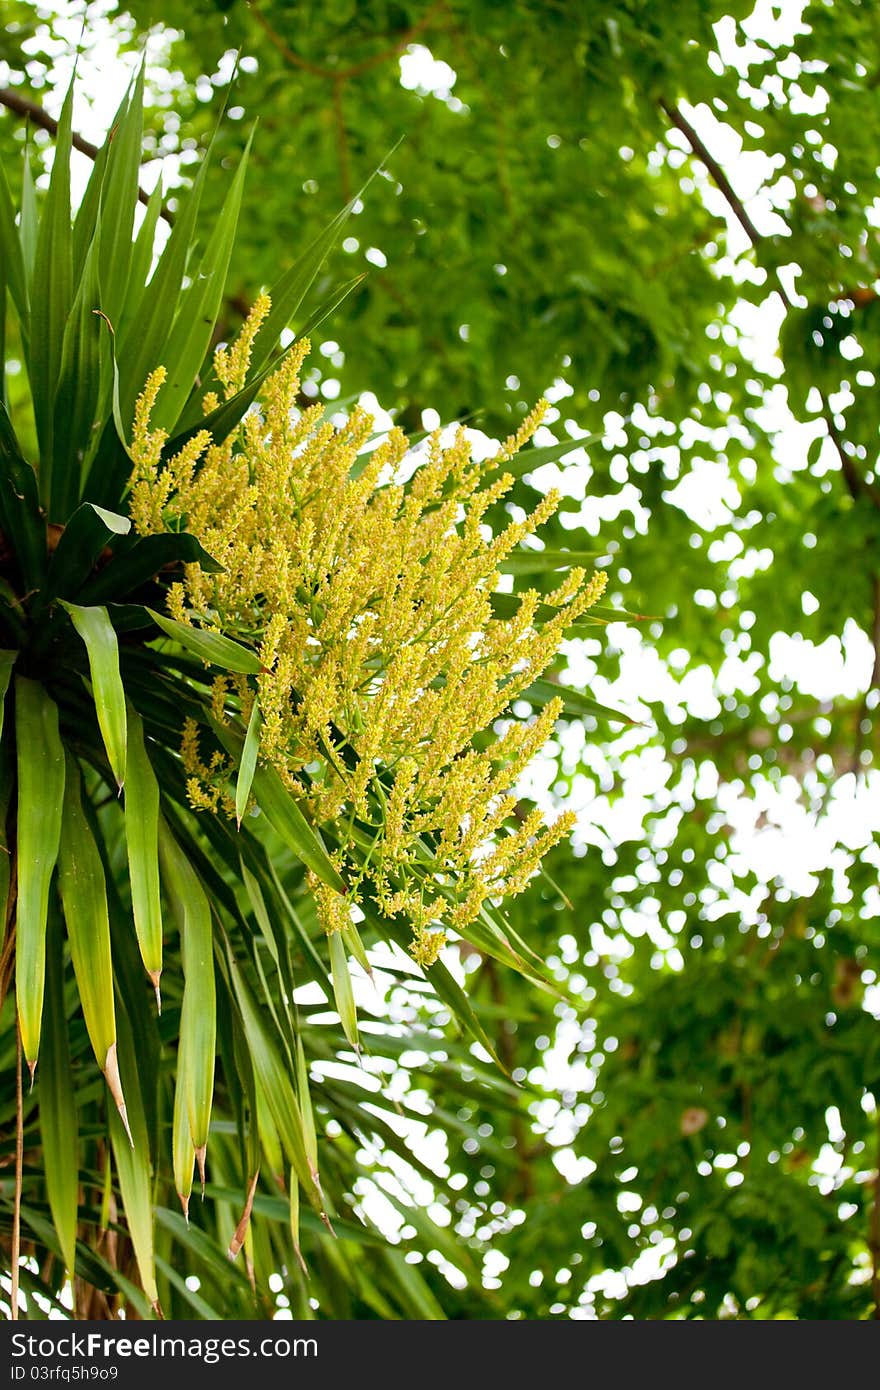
(387, 678)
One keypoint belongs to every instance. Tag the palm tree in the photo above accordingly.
(263, 713)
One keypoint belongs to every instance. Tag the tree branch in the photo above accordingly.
(284, 48)
(719, 178)
(23, 106)
(340, 74)
(722, 183)
(855, 484)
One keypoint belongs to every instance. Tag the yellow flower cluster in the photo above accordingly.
(388, 677)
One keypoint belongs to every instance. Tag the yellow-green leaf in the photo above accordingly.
(283, 813)
(211, 647)
(198, 1023)
(269, 1140)
(274, 1081)
(294, 1221)
(133, 1165)
(51, 294)
(305, 1105)
(40, 796)
(183, 1154)
(58, 1127)
(288, 821)
(6, 792)
(96, 630)
(84, 897)
(248, 765)
(342, 990)
(352, 939)
(190, 336)
(142, 843)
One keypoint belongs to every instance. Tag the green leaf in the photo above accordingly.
(274, 1081)
(80, 546)
(142, 847)
(51, 295)
(352, 938)
(275, 1209)
(84, 897)
(222, 420)
(531, 458)
(319, 970)
(342, 991)
(20, 520)
(141, 259)
(86, 220)
(133, 1160)
(574, 702)
(449, 990)
(606, 613)
(523, 561)
(289, 292)
(142, 561)
(238, 1063)
(600, 615)
(258, 907)
(76, 410)
(198, 1024)
(120, 425)
(305, 1104)
(328, 306)
(11, 253)
(58, 1123)
(211, 647)
(184, 350)
(418, 1295)
(142, 344)
(293, 1208)
(40, 798)
(96, 630)
(6, 792)
(200, 1306)
(4, 356)
(288, 821)
(7, 661)
(273, 1159)
(248, 765)
(128, 974)
(28, 225)
(119, 195)
(197, 1244)
(183, 1152)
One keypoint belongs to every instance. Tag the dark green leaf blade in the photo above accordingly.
(20, 520)
(51, 295)
(80, 546)
(143, 560)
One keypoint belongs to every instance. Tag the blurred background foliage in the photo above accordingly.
(667, 214)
